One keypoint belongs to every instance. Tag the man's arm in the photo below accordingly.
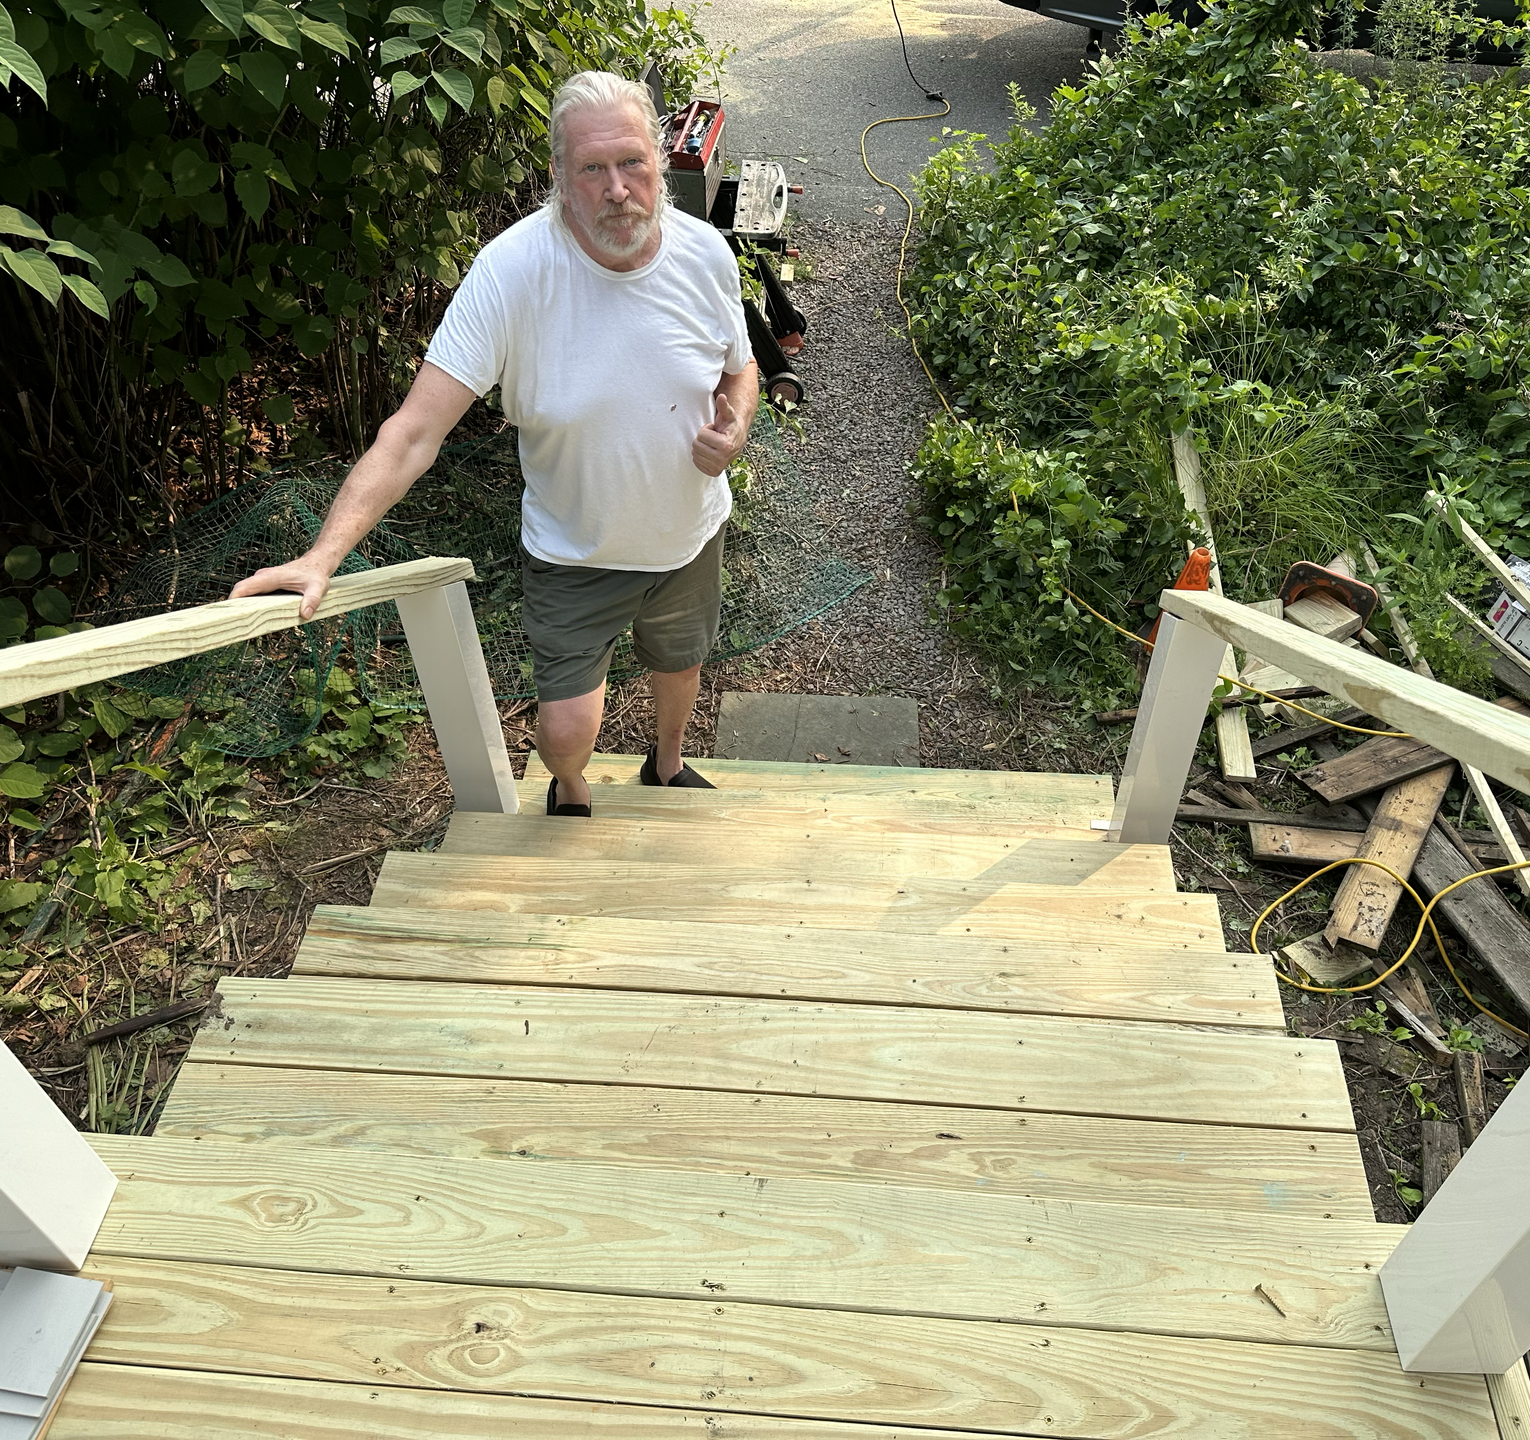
(717, 445)
(405, 448)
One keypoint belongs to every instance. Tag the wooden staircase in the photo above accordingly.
(833, 1104)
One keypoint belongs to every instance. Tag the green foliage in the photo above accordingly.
(1460, 1038)
(368, 737)
(1408, 1194)
(1374, 1022)
(272, 188)
(1328, 281)
(1427, 1109)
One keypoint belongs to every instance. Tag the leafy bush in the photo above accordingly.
(1327, 279)
(242, 212)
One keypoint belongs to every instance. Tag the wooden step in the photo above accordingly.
(1126, 899)
(957, 972)
(808, 1365)
(1072, 800)
(726, 1238)
(871, 1052)
(111, 1402)
(701, 839)
(1065, 1157)
(838, 811)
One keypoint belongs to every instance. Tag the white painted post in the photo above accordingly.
(54, 1189)
(443, 640)
(1172, 710)
(1458, 1286)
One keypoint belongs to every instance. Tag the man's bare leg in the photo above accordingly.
(566, 734)
(674, 697)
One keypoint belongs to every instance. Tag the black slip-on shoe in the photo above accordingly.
(553, 808)
(687, 779)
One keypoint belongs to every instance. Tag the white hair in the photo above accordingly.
(600, 90)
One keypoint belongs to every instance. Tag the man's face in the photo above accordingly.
(612, 184)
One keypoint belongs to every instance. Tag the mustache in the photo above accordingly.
(627, 209)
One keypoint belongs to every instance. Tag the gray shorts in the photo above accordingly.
(573, 616)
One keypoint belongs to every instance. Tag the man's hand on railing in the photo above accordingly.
(306, 576)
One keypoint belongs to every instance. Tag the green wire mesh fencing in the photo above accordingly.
(260, 696)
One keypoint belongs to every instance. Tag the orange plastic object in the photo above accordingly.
(1195, 576)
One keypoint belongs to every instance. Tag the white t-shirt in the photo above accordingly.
(609, 375)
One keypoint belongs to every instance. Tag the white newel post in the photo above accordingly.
(54, 1189)
(448, 658)
(1180, 679)
(1458, 1286)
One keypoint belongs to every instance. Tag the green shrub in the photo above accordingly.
(238, 214)
(1327, 279)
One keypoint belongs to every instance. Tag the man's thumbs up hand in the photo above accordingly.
(716, 445)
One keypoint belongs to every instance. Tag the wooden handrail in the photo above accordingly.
(1462, 726)
(44, 667)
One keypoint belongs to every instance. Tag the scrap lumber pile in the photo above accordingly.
(1384, 799)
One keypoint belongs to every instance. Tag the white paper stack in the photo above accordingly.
(46, 1321)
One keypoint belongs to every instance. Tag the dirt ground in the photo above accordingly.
(324, 845)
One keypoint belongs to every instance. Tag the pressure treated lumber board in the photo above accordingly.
(1235, 750)
(958, 972)
(871, 1052)
(751, 1239)
(1065, 1157)
(702, 841)
(873, 812)
(1098, 906)
(1017, 794)
(1462, 726)
(1301, 844)
(1510, 1394)
(1366, 899)
(119, 1402)
(43, 667)
(1378, 762)
(824, 1365)
(636, 845)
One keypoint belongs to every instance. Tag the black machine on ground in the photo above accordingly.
(750, 210)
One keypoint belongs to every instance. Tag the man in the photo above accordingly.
(613, 325)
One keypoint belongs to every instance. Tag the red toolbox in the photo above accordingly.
(697, 156)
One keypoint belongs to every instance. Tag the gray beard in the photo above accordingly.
(638, 237)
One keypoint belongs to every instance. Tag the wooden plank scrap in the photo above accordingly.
(1324, 965)
(1367, 897)
(1468, 1068)
(1236, 815)
(1323, 615)
(1234, 747)
(1480, 914)
(1498, 823)
(1289, 738)
(1300, 844)
(1441, 1153)
(1372, 765)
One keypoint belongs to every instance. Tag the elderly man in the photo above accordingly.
(613, 325)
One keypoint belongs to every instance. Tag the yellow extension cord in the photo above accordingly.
(1426, 915)
(908, 227)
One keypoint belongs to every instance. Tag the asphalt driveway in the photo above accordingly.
(809, 75)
